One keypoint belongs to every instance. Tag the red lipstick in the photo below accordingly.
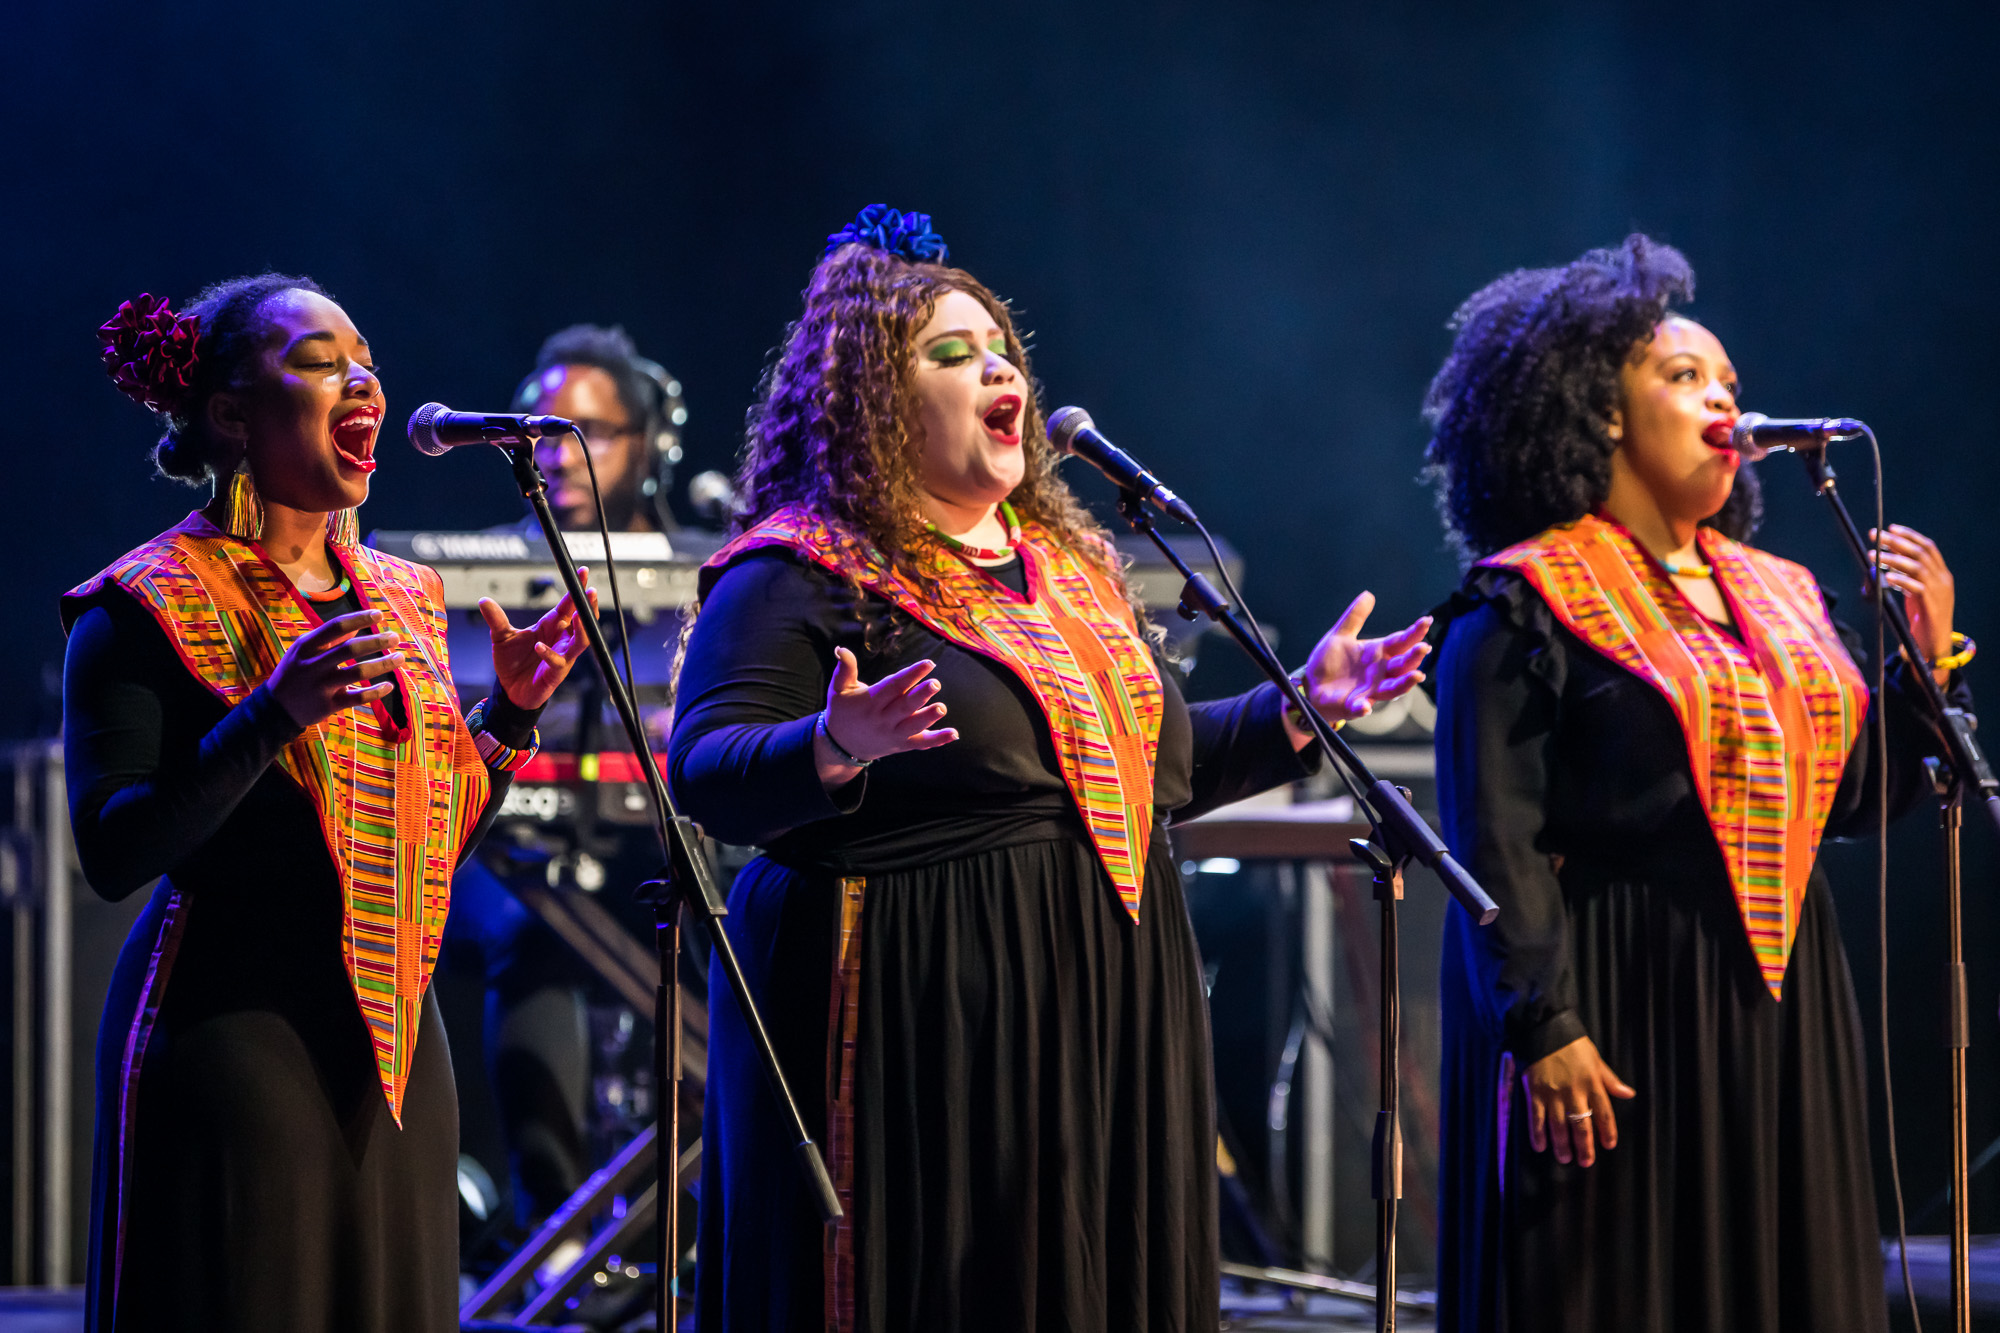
(1002, 418)
(354, 438)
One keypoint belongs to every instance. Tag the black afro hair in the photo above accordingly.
(1520, 409)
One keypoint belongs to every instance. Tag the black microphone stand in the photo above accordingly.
(1400, 834)
(1963, 768)
(686, 882)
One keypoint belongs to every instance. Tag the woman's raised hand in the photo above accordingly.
(529, 663)
(328, 668)
(895, 714)
(1347, 675)
(1569, 1102)
(1913, 565)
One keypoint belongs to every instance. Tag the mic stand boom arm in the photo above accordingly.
(1400, 834)
(1397, 824)
(688, 882)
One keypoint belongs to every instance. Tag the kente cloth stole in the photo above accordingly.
(1769, 720)
(395, 803)
(1074, 644)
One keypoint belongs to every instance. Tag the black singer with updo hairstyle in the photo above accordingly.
(260, 734)
(232, 334)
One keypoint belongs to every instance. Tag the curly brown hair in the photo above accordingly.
(832, 428)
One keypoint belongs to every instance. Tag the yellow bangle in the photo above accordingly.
(1962, 651)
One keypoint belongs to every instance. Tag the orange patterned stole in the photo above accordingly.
(1768, 719)
(1074, 643)
(395, 802)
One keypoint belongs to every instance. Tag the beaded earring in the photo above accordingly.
(343, 527)
(242, 509)
(243, 512)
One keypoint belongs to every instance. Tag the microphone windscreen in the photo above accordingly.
(712, 496)
(1064, 425)
(423, 434)
(1743, 437)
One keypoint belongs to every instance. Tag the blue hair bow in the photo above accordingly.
(906, 234)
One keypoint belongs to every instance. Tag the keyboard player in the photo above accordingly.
(538, 1047)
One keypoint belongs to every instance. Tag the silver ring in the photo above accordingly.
(1579, 1115)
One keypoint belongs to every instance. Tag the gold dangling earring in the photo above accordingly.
(343, 527)
(242, 509)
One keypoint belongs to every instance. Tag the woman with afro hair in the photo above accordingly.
(967, 929)
(1654, 1085)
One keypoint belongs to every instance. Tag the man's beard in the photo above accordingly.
(621, 504)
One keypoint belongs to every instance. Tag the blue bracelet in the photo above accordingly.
(840, 751)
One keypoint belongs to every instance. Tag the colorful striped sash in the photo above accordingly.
(1074, 643)
(395, 801)
(1768, 719)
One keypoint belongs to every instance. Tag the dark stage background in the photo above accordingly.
(1237, 232)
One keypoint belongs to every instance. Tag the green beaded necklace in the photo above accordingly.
(982, 552)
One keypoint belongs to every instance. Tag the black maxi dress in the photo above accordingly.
(270, 1187)
(1739, 1196)
(1033, 1124)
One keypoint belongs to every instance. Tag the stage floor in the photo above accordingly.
(39, 1311)
(1269, 1311)
(1264, 1310)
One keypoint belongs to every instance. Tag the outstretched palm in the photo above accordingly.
(1347, 675)
(529, 663)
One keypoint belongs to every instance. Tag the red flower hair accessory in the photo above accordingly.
(150, 352)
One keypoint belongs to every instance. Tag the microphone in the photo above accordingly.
(1072, 432)
(712, 496)
(434, 428)
(1756, 435)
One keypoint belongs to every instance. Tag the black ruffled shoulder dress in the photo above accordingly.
(1740, 1194)
(1033, 1131)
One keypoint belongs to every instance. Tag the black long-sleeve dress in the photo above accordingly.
(270, 1188)
(1739, 1196)
(1033, 1128)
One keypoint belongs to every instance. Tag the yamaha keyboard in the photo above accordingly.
(656, 575)
(656, 580)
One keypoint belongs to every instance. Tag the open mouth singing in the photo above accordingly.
(1001, 419)
(354, 438)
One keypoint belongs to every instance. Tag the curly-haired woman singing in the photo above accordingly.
(1656, 1116)
(972, 936)
(258, 708)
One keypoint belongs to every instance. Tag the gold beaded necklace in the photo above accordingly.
(1688, 569)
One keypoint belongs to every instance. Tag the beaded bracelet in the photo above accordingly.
(1963, 650)
(502, 758)
(839, 751)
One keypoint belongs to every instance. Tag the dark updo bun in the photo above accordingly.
(232, 332)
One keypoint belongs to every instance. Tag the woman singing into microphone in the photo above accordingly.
(257, 712)
(1656, 1113)
(918, 681)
